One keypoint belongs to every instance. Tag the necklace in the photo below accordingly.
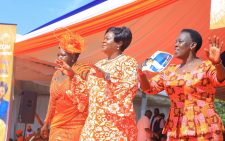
(188, 67)
(107, 61)
(190, 63)
(110, 60)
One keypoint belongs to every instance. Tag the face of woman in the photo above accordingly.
(183, 45)
(67, 57)
(109, 46)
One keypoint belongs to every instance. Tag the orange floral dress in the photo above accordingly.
(192, 114)
(64, 116)
(111, 116)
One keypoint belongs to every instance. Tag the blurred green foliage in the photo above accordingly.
(220, 108)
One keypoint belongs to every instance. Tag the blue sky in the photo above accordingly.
(30, 14)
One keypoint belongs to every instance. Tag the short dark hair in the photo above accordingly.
(195, 36)
(121, 34)
(148, 112)
(162, 115)
(156, 109)
(4, 85)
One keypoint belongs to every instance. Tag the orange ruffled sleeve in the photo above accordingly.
(211, 73)
(79, 85)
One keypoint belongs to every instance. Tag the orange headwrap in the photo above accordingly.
(69, 41)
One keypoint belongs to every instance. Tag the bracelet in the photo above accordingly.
(218, 63)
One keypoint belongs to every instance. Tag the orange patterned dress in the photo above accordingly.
(64, 115)
(111, 116)
(192, 114)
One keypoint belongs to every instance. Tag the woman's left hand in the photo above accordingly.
(100, 73)
(214, 50)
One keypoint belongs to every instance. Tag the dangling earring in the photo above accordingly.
(118, 48)
(73, 60)
(193, 47)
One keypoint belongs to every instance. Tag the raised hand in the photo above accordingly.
(214, 50)
(64, 67)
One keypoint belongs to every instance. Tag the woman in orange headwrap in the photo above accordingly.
(67, 108)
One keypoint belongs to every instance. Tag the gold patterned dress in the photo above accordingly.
(2, 130)
(192, 115)
(66, 97)
(111, 116)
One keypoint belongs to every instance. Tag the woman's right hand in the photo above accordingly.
(99, 72)
(64, 67)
